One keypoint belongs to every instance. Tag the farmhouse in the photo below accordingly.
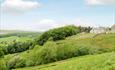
(99, 30)
(113, 29)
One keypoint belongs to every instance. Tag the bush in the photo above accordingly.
(52, 52)
(47, 55)
(1, 52)
(42, 55)
(2, 65)
(58, 34)
(68, 50)
(15, 46)
(85, 29)
(16, 62)
(55, 51)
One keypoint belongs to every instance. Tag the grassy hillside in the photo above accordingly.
(77, 45)
(104, 61)
(25, 49)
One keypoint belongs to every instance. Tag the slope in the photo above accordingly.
(104, 61)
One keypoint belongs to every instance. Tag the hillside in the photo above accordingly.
(104, 61)
(19, 50)
(73, 46)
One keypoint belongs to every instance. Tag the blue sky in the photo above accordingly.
(41, 15)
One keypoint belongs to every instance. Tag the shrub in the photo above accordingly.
(16, 62)
(82, 51)
(55, 51)
(52, 52)
(16, 46)
(47, 55)
(85, 29)
(68, 50)
(1, 52)
(2, 65)
(42, 55)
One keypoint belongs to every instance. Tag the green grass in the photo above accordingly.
(104, 61)
(104, 40)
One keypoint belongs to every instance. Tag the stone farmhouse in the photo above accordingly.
(100, 30)
(113, 29)
(103, 30)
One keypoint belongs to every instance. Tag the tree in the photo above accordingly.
(58, 34)
(1, 53)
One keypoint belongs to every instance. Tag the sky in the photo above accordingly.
(41, 15)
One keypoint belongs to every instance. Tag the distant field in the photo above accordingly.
(3, 32)
(8, 33)
(104, 61)
(14, 38)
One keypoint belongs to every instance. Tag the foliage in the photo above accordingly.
(15, 45)
(2, 65)
(58, 34)
(54, 48)
(16, 62)
(104, 61)
(64, 49)
(1, 52)
(85, 29)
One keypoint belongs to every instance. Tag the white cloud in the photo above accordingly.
(78, 22)
(100, 2)
(46, 24)
(18, 5)
(84, 22)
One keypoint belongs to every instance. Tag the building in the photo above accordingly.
(100, 30)
(113, 29)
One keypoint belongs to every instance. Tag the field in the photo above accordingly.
(81, 51)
